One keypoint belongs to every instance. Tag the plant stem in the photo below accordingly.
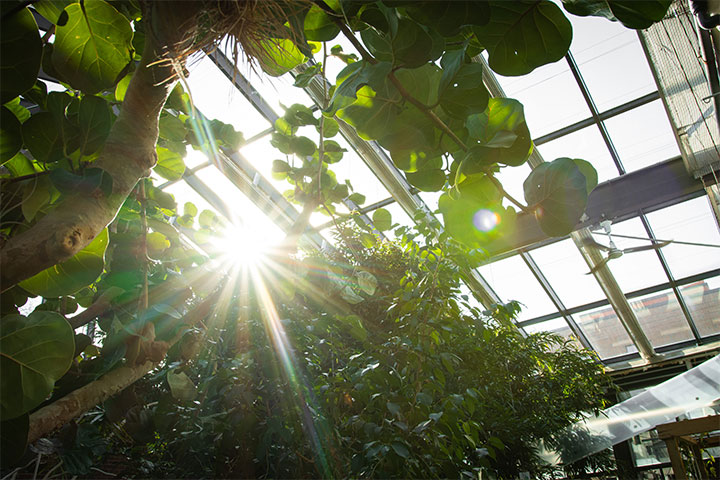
(7, 181)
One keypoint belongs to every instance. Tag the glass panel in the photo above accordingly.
(249, 216)
(261, 154)
(216, 97)
(661, 318)
(563, 266)
(512, 179)
(643, 136)
(604, 331)
(703, 300)
(352, 168)
(185, 193)
(586, 144)
(512, 280)
(277, 91)
(611, 61)
(551, 97)
(557, 326)
(690, 221)
(634, 270)
(398, 217)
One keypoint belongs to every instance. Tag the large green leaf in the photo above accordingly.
(353, 77)
(279, 56)
(410, 45)
(92, 50)
(319, 27)
(498, 135)
(558, 192)
(449, 16)
(464, 93)
(71, 275)
(524, 35)
(11, 140)
(35, 352)
(94, 119)
(170, 165)
(42, 137)
(431, 180)
(382, 219)
(372, 114)
(21, 52)
(635, 14)
(476, 218)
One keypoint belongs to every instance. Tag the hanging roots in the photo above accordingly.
(244, 27)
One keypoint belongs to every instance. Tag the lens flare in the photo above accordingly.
(485, 220)
(241, 247)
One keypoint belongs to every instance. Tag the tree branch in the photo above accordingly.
(74, 404)
(127, 156)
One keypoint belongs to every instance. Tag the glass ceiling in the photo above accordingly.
(601, 104)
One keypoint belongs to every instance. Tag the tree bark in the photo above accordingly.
(74, 404)
(128, 155)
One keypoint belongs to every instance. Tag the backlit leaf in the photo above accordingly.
(21, 51)
(35, 352)
(382, 219)
(170, 165)
(94, 47)
(70, 276)
(11, 139)
(558, 192)
(524, 35)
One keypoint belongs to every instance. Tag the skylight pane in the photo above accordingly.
(611, 61)
(248, 215)
(216, 97)
(557, 326)
(185, 193)
(690, 221)
(563, 266)
(634, 270)
(643, 136)
(512, 179)
(661, 318)
(550, 95)
(278, 91)
(261, 155)
(512, 280)
(363, 181)
(586, 144)
(604, 331)
(703, 300)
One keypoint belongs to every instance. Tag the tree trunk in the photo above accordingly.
(128, 155)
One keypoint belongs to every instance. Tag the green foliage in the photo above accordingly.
(20, 50)
(94, 47)
(410, 381)
(36, 351)
(73, 274)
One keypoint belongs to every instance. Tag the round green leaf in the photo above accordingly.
(319, 27)
(382, 219)
(524, 35)
(35, 352)
(171, 127)
(465, 93)
(190, 209)
(558, 192)
(181, 387)
(42, 138)
(73, 274)
(367, 282)
(330, 127)
(94, 119)
(21, 52)
(279, 56)
(302, 146)
(157, 242)
(589, 172)
(94, 47)
(431, 180)
(208, 219)
(170, 165)
(11, 140)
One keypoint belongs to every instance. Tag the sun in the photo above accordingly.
(241, 246)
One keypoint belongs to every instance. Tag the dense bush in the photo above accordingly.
(410, 381)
